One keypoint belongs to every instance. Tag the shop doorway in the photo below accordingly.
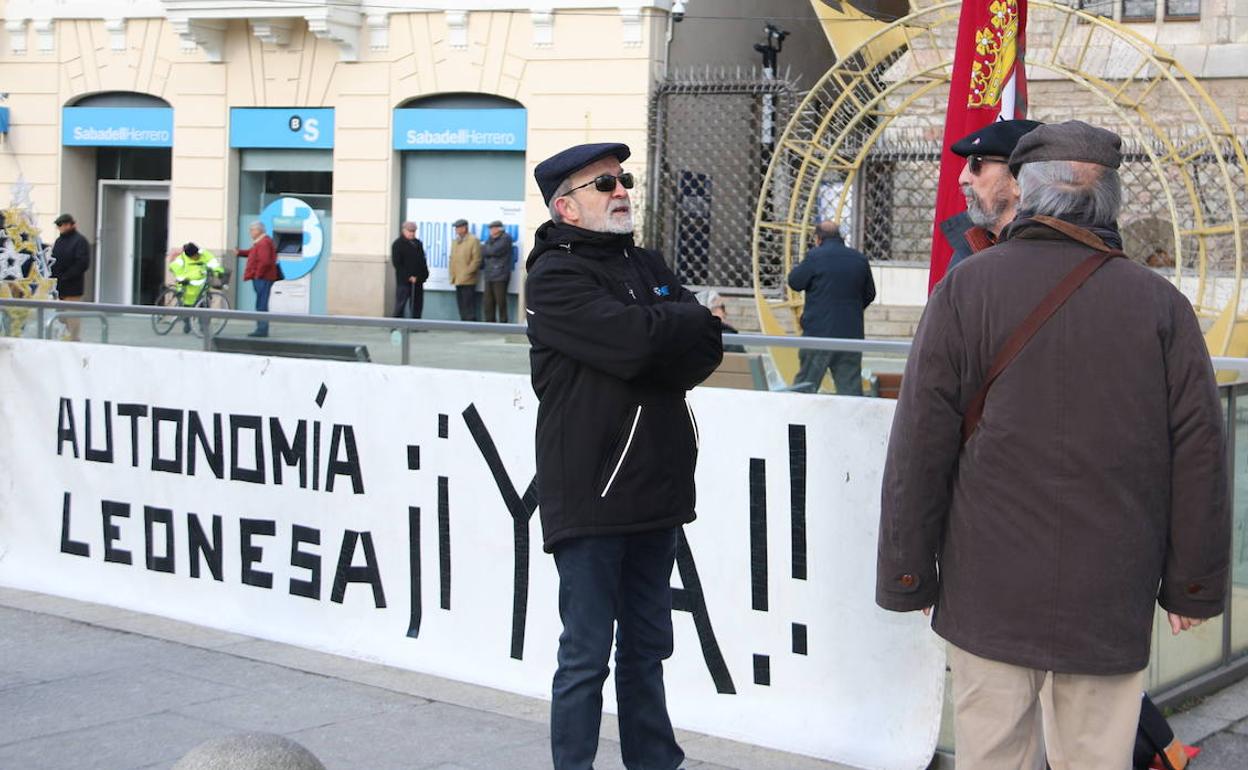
(132, 237)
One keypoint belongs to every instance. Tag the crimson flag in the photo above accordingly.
(988, 84)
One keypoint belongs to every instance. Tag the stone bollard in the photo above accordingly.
(249, 751)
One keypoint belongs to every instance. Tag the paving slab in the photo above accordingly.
(75, 692)
(150, 740)
(1230, 704)
(1223, 751)
(1192, 728)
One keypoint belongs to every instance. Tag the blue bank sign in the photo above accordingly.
(431, 129)
(297, 128)
(117, 126)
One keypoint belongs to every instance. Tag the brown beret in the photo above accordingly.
(1072, 140)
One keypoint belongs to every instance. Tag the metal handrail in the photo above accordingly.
(408, 325)
(47, 326)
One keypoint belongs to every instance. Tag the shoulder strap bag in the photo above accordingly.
(1019, 338)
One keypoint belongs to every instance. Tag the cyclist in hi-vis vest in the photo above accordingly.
(194, 266)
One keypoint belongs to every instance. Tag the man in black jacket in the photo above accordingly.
(407, 254)
(616, 344)
(838, 285)
(72, 257)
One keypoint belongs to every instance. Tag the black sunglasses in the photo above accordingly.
(976, 162)
(606, 183)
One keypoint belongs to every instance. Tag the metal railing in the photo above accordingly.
(48, 311)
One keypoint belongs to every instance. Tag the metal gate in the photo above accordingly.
(711, 137)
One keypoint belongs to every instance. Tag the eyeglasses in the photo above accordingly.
(606, 183)
(976, 162)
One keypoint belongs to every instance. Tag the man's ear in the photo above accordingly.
(567, 209)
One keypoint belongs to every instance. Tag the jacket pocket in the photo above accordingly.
(617, 458)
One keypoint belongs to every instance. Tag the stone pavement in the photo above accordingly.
(89, 686)
(1217, 724)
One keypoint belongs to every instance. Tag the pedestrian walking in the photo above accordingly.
(839, 287)
(71, 254)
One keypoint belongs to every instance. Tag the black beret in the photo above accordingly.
(1072, 140)
(997, 138)
(550, 172)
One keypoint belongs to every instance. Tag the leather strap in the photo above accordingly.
(1021, 335)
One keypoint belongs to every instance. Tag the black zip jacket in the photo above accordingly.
(616, 344)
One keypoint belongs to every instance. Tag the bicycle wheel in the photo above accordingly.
(216, 300)
(169, 297)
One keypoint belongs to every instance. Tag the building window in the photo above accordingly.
(1097, 7)
(1139, 10)
(1182, 9)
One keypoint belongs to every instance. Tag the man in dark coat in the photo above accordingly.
(616, 344)
(72, 255)
(411, 270)
(496, 269)
(838, 285)
(990, 189)
(1094, 486)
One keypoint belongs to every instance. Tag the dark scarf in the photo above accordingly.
(1023, 221)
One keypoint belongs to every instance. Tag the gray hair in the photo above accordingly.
(1071, 190)
(258, 224)
(560, 191)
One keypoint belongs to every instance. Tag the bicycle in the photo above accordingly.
(211, 298)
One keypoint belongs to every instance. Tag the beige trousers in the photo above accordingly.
(73, 325)
(1006, 716)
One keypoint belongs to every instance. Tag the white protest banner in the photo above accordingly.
(327, 505)
(433, 218)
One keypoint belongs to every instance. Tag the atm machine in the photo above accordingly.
(288, 236)
(290, 296)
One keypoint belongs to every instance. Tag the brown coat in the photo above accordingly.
(465, 260)
(1095, 483)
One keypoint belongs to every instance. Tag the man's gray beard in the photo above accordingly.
(981, 218)
(617, 226)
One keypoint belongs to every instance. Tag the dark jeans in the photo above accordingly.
(402, 292)
(263, 289)
(466, 298)
(623, 581)
(846, 370)
(495, 297)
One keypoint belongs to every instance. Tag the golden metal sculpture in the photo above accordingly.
(876, 84)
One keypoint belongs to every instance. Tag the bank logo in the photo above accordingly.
(312, 126)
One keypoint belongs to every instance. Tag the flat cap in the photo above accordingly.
(1072, 140)
(997, 138)
(63, 219)
(461, 222)
(550, 172)
(496, 223)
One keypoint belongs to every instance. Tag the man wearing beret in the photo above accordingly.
(990, 190)
(616, 343)
(1041, 520)
(465, 267)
